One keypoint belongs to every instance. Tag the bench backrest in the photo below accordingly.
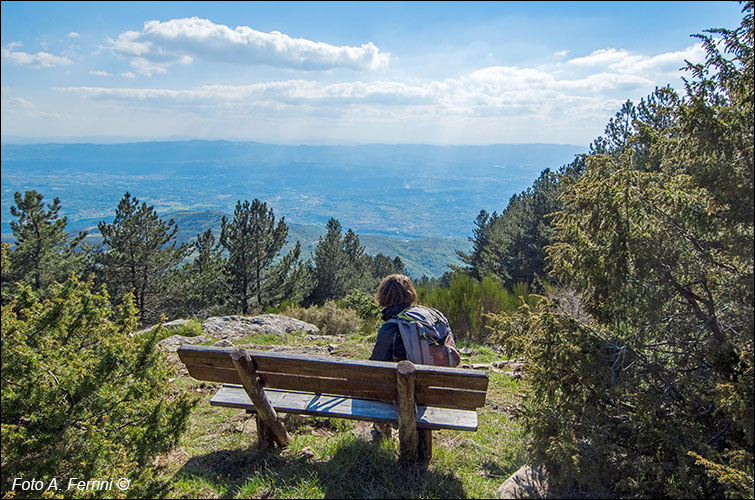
(435, 386)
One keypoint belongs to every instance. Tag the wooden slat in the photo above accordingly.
(342, 407)
(302, 364)
(337, 368)
(323, 366)
(212, 374)
(206, 353)
(436, 386)
(453, 378)
(450, 398)
(353, 388)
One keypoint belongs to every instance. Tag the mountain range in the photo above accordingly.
(416, 201)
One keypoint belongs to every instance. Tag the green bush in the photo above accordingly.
(192, 328)
(362, 303)
(330, 319)
(466, 303)
(599, 421)
(80, 397)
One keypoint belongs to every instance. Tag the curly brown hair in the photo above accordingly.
(396, 289)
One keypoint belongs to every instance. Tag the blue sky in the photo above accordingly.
(312, 72)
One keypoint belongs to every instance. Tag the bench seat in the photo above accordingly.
(307, 403)
(416, 398)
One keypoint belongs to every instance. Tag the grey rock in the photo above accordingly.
(515, 365)
(466, 351)
(527, 482)
(172, 343)
(233, 327)
(175, 322)
(223, 343)
(331, 338)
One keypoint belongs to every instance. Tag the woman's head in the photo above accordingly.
(396, 289)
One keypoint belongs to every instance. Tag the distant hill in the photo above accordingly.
(421, 256)
(405, 191)
(412, 200)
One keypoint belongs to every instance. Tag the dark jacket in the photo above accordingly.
(389, 346)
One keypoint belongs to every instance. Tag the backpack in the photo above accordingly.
(427, 336)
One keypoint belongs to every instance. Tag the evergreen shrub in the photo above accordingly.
(466, 303)
(80, 397)
(650, 394)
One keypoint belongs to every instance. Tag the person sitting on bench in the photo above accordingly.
(419, 334)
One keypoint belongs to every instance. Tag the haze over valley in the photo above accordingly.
(403, 192)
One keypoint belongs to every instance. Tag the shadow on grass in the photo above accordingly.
(357, 469)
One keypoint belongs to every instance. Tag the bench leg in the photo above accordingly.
(425, 451)
(407, 411)
(256, 393)
(265, 439)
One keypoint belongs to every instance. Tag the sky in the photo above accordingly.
(340, 72)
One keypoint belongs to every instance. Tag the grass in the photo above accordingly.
(334, 458)
(192, 328)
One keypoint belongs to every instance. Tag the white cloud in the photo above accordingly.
(556, 102)
(100, 73)
(561, 53)
(584, 84)
(493, 91)
(17, 102)
(180, 41)
(19, 106)
(600, 57)
(667, 62)
(73, 34)
(128, 74)
(38, 60)
(292, 92)
(621, 61)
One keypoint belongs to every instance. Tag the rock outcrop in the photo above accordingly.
(527, 482)
(172, 343)
(234, 327)
(175, 322)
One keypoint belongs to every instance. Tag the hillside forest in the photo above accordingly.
(624, 279)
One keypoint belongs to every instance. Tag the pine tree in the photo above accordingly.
(198, 286)
(358, 275)
(289, 279)
(253, 241)
(43, 253)
(382, 266)
(511, 246)
(480, 239)
(330, 262)
(6, 278)
(138, 249)
(340, 265)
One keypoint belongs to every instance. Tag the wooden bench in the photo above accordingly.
(416, 398)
